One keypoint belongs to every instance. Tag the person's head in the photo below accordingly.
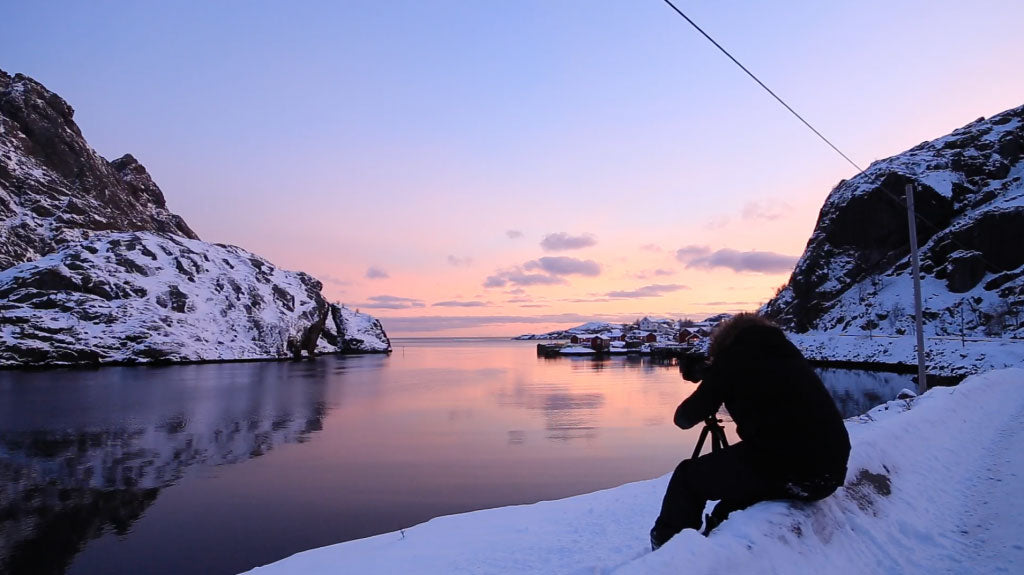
(724, 334)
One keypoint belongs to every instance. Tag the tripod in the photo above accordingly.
(712, 427)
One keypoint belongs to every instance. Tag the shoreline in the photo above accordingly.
(172, 363)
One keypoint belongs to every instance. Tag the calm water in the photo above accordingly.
(220, 468)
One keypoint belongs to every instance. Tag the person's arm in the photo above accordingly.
(704, 401)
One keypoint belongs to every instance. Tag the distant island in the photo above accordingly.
(663, 329)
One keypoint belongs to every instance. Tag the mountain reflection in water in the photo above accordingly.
(81, 468)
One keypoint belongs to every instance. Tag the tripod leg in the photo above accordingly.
(700, 443)
(718, 438)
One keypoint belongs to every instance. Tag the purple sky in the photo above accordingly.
(482, 168)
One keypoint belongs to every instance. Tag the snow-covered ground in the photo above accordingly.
(943, 355)
(935, 485)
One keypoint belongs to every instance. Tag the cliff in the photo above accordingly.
(854, 276)
(95, 269)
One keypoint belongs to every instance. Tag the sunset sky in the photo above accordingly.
(496, 168)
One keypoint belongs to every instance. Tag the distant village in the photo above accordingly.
(644, 336)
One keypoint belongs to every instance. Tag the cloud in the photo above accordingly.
(460, 262)
(375, 273)
(519, 300)
(648, 291)
(752, 261)
(517, 277)
(554, 268)
(691, 252)
(563, 241)
(513, 234)
(443, 323)
(460, 304)
(327, 279)
(392, 302)
(769, 210)
(655, 273)
(560, 266)
(517, 291)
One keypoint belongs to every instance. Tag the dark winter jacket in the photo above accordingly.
(780, 407)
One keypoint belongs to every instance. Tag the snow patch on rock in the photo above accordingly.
(141, 297)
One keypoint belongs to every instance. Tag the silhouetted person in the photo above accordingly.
(793, 443)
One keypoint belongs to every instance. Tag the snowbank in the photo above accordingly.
(934, 485)
(943, 355)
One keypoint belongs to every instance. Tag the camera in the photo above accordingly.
(693, 368)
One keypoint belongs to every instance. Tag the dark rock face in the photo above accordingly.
(970, 204)
(55, 189)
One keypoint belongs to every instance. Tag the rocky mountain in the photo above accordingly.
(95, 269)
(349, 331)
(855, 273)
(55, 189)
(127, 296)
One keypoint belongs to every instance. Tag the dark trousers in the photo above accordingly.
(730, 476)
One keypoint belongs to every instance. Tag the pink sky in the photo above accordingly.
(415, 156)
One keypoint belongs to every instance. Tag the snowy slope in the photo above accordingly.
(140, 297)
(137, 296)
(854, 276)
(944, 356)
(934, 487)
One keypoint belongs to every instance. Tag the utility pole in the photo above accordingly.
(922, 384)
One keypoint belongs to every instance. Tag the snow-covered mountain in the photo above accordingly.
(586, 328)
(55, 189)
(665, 325)
(140, 296)
(854, 276)
(95, 269)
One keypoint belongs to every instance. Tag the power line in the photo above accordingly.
(766, 88)
(881, 186)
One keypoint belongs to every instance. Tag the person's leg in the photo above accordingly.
(726, 474)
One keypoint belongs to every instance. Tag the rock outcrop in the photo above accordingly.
(95, 269)
(855, 273)
(141, 297)
(349, 331)
(55, 189)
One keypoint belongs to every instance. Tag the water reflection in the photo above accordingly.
(567, 415)
(855, 391)
(83, 468)
(479, 424)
